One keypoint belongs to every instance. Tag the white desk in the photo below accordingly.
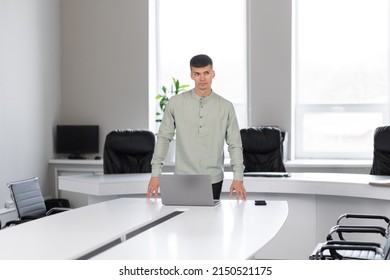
(234, 230)
(59, 167)
(107, 186)
(99, 187)
(315, 201)
(334, 184)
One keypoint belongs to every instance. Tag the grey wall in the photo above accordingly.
(269, 62)
(29, 89)
(105, 63)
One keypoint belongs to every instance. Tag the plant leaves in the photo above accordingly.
(176, 88)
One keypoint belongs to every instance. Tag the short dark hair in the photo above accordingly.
(201, 60)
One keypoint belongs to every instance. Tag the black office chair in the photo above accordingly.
(381, 161)
(128, 151)
(29, 202)
(344, 249)
(262, 149)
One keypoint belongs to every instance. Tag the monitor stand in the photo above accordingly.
(76, 156)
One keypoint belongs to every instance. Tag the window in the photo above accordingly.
(181, 29)
(341, 76)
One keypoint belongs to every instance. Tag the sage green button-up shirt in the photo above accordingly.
(202, 125)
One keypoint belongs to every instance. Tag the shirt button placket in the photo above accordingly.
(201, 116)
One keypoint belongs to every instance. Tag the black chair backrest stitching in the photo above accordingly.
(262, 149)
(128, 151)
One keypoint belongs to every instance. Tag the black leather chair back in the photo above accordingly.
(381, 161)
(262, 149)
(128, 151)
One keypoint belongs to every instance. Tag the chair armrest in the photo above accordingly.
(30, 217)
(55, 210)
(355, 229)
(363, 216)
(333, 246)
(15, 222)
(352, 243)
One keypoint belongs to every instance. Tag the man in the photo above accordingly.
(203, 120)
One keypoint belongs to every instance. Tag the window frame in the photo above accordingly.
(299, 110)
(302, 109)
(241, 108)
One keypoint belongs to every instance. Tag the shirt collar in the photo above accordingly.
(198, 98)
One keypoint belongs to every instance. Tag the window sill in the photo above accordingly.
(321, 163)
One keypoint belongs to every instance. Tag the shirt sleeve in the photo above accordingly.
(233, 140)
(164, 137)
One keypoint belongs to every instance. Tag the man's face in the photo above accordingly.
(202, 77)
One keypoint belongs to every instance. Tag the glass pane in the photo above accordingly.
(341, 134)
(216, 28)
(342, 51)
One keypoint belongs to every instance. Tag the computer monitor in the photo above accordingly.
(77, 140)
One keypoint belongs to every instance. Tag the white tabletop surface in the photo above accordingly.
(73, 233)
(233, 229)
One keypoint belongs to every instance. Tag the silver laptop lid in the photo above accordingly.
(186, 189)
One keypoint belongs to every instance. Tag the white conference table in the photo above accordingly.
(73, 233)
(108, 230)
(107, 186)
(315, 201)
(231, 230)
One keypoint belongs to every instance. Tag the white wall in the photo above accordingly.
(29, 89)
(105, 64)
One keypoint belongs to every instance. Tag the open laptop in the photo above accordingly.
(186, 189)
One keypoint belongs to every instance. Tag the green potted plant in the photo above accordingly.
(163, 98)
